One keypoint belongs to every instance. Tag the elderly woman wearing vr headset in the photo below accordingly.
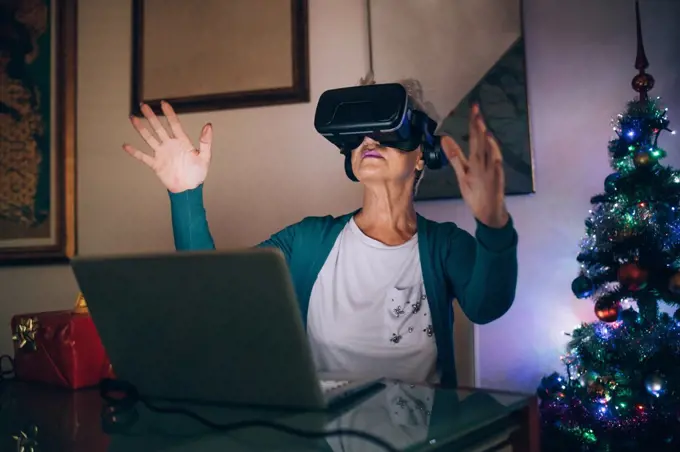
(375, 286)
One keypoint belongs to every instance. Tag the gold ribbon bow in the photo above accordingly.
(81, 305)
(25, 331)
(27, 442)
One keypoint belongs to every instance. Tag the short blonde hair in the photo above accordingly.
(414, 89)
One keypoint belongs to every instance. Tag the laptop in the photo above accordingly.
(208, 327)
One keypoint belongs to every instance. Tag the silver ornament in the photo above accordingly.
(655, 384)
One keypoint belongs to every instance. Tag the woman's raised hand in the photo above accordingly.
(480, 176)
(176, 161)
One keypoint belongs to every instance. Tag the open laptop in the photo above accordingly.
(214, 327)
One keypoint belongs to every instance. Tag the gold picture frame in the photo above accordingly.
(38, 132)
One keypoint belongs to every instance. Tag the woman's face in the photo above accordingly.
(372, 162)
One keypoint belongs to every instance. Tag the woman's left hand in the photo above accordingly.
(480, 176)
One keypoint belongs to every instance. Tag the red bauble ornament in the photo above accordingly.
(607, 311)
(632, 277)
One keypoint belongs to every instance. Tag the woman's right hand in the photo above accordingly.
(176, 161)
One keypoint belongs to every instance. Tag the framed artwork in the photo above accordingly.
(220, 54)
(458, 53)
(37, 130)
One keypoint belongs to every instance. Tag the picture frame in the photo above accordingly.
(454, 55)
(234, 62)
(38, 137)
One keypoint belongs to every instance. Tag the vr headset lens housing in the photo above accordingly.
(382, 112)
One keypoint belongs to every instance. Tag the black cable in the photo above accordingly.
(120, 413)
(6, 372)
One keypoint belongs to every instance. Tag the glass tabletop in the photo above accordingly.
(407, 417)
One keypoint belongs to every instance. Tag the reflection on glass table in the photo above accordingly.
(407, 417)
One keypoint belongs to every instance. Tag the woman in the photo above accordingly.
(376, 286)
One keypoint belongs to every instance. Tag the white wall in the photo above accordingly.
(270, 168)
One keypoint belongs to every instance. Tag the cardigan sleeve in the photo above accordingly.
(189, 221)
(283, 240)
(483, 270)
(192, 232)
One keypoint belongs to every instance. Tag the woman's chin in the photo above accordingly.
(366, 174)
(375, 175)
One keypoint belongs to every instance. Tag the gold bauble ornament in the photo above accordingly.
(674, 284)
(643, 82)
(642, 158)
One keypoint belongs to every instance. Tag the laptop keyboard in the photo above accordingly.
(329, 385)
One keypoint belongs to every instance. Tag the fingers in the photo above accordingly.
(460, 164)
(499, 176)
(455, 155)
(474, 133)
(205, 142)
(478, 135)
(499, 173)
(496, 162)
(144, 132)
(484, 141)
(451, 149)
(139, 155)
(155, 123)
(173, 120)
(487, 149)
(494, 150)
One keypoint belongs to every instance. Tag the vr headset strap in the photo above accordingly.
(348, 167)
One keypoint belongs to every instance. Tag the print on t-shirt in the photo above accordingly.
(405, 314)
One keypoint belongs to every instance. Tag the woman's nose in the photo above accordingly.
(370, 143)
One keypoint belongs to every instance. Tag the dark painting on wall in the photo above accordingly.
(460, 53)
(37, 130)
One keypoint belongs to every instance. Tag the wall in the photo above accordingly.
(270, 168)
(580, 62)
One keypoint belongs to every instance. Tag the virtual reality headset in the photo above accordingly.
(383, 112)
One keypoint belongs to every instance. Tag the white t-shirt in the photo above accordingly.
(368, 312)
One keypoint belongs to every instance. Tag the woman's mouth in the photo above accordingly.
(372, 154)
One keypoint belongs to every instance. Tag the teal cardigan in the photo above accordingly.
(481, 274)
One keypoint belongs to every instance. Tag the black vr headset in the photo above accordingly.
(382, 112)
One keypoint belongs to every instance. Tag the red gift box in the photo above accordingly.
(60, 348)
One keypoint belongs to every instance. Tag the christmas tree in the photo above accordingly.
(621, 388)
